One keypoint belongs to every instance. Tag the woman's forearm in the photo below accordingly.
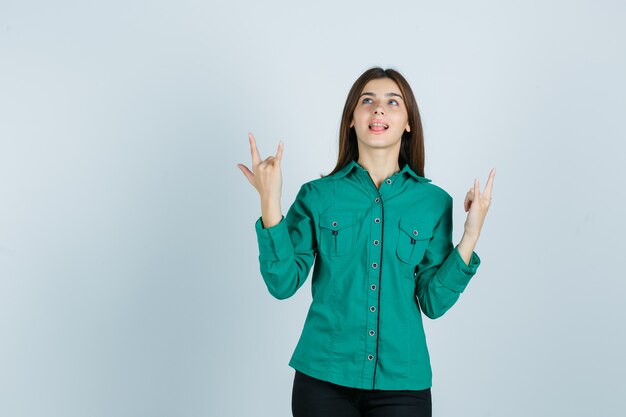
(271, 214)
(466, 246)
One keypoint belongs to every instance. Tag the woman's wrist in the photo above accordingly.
(271, 214)
(466, 246)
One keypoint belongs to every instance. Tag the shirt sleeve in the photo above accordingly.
(287, 249)
(442, 275)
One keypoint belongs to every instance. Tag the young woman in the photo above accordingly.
(380, 237)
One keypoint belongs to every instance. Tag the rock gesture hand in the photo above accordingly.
(265, 176)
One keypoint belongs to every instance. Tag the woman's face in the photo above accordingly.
(380, 117)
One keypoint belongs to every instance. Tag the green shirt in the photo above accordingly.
(375, 253)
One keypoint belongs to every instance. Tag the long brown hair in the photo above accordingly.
(412, 144)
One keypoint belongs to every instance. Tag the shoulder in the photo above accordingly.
(437, 193)
(318, 185)
(322, 181)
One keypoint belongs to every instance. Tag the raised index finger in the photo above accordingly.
(256, 158)
(489, 185)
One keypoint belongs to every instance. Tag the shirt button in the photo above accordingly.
(370, 357)
(376, 242)
(374, 265)
(376, 220)
(372, 309)
(415, 232)
(373, 287)
(372, 332)
(377, 200)
(335, 224)
(388, 181)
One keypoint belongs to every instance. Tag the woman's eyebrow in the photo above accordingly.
(367, 93)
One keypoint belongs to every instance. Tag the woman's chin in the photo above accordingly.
(379, 142)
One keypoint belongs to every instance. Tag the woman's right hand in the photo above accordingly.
(265, 176)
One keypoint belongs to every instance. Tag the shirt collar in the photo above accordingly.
(354, 165)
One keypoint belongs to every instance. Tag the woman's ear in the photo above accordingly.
(352, 123)
(408, 128)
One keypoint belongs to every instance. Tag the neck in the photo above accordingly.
(379, 167)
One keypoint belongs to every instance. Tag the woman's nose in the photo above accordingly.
(379, 110)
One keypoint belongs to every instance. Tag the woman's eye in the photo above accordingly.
(367, 100)
(393, 102)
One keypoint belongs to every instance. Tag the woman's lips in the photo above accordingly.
(378, 127)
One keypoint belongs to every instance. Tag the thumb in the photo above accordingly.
(248, 174)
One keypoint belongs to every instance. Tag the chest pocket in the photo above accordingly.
(337, 232)
(413, 237)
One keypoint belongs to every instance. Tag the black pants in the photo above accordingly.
(312, 397)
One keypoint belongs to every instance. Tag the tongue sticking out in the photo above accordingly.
(377, 128)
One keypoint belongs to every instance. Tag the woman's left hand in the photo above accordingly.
(478, 203)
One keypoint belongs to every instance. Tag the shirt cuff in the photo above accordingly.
(455, 273)
(274, 242)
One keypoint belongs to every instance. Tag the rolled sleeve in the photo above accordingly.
(455, 274)
(274, 242)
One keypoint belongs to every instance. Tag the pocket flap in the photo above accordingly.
(415, 229)
(336, 221)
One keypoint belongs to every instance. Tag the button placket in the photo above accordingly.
(371, 345)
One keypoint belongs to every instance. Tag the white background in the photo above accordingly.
(129, 275)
